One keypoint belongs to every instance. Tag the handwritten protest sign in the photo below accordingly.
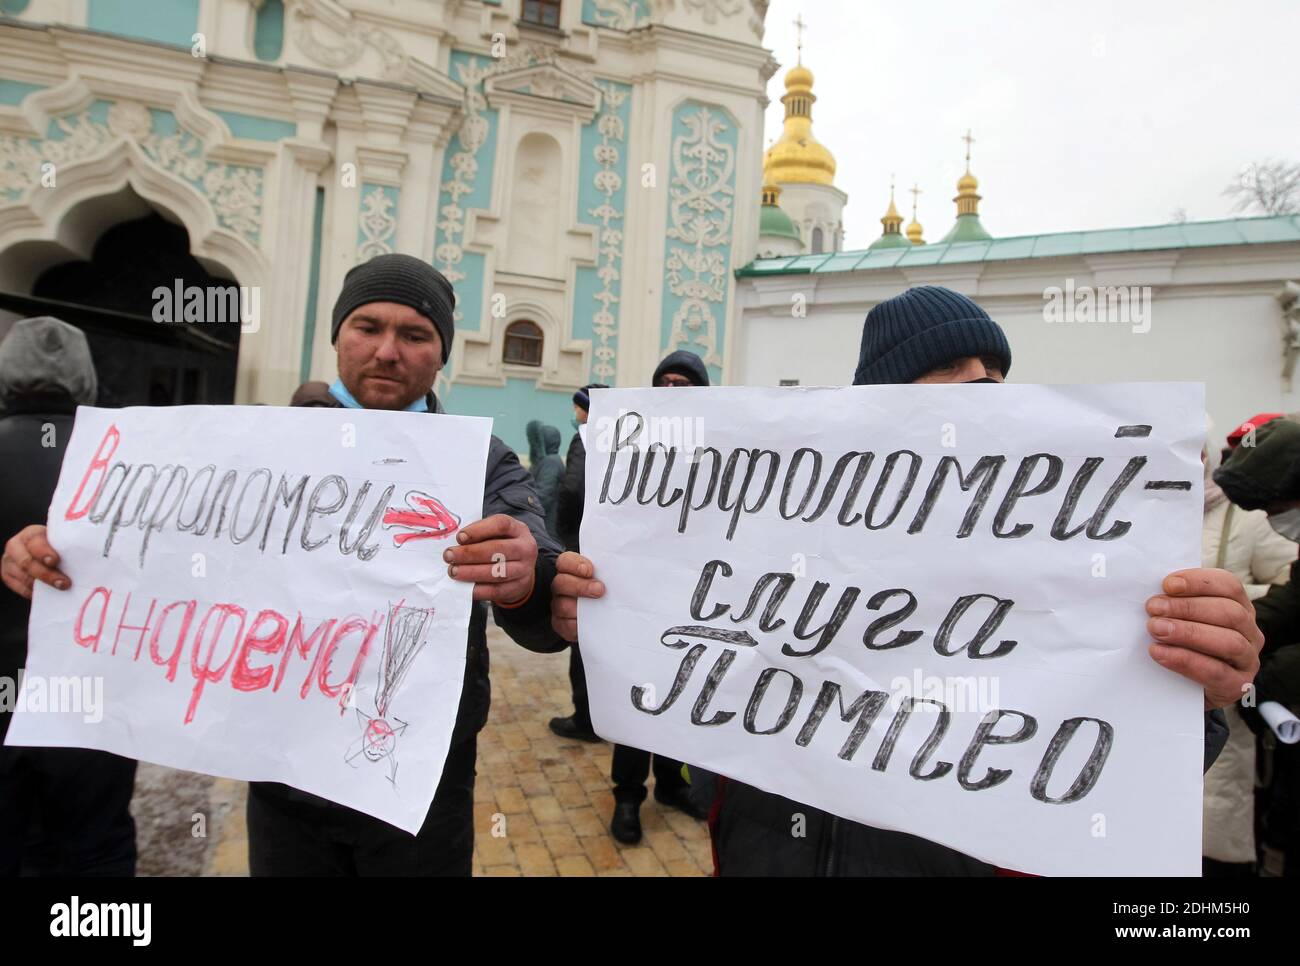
(262, 592)
(916, 607)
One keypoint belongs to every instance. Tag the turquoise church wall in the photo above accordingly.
(700, 229)
(466, 184)
(167, 21)
(602, 201)
(513, 406)
(617, 14)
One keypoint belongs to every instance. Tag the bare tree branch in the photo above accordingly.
(1269, 187)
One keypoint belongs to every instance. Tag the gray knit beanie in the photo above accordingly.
(405, 280)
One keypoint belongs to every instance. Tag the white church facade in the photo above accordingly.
(1215, 302)
(582, 170)
(590, 174)
(1212, 302)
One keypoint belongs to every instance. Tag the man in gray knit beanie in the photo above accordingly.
(392, 327)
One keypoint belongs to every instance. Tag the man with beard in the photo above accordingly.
(393, 329)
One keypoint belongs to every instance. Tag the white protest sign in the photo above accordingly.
(262, 593)
(921, 608)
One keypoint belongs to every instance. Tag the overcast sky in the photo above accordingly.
(1096, 114)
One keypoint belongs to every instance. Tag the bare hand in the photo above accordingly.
(498, 555)
(1204, 629)
(28, 558)
(574, 578)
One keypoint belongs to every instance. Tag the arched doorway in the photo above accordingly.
(115, 297)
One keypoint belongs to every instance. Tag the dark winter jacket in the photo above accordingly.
(45, 371)
(573, 491)
(546, 468)
(1262, 477)
(757, 833)
(507, 489)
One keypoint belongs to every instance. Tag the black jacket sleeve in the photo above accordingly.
(1216, 736)
(547, 481)
(509, 489)
(572, 492)
(1278, 613)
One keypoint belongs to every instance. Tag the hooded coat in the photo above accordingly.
(45, 373)
(547, 469)
(683, 363)
(1261, 477)
(1241, 542)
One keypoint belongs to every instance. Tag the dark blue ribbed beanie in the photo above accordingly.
(583, 396)
(926, 327)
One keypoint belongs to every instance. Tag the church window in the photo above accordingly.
(523, 344)
(818, 241)
(268, 30)
(544, 12)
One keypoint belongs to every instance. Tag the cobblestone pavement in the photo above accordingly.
(542, 804)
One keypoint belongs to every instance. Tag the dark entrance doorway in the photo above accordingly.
(111, 298)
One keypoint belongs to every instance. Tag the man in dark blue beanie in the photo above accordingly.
(931, 334)
(934, 335)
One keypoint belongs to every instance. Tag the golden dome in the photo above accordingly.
(892, 221)
(915, 233)
(967, 182)
(799, 80)
(798, 157)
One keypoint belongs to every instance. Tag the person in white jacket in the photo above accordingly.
(1241, 542)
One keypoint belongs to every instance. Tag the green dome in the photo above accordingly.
(890, 239)
(773, 221)
(968, 228)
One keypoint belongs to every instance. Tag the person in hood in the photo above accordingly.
(1201, 624)
(546, 468)
(1241, 542)
(393, 329)
(631, 766)
(680, 369)
(568, 519)
(1266, 476)
(78, 800)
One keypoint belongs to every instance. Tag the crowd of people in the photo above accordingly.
(65, 811)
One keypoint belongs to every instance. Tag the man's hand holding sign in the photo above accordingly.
(809, 618)
(270, 594)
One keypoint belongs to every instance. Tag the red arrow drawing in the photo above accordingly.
(426, 518)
